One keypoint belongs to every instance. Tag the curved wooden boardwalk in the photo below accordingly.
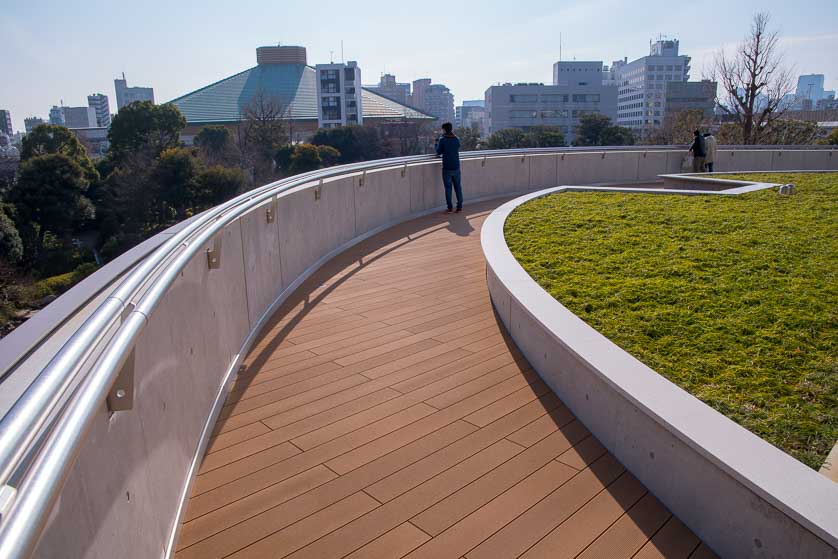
(386, 414)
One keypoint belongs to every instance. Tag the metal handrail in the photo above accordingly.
(24, 426)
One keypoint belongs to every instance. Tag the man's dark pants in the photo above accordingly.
(449, 177)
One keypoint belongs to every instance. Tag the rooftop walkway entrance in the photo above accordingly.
(385, 413)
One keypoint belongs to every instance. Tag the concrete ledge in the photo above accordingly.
(741, 495)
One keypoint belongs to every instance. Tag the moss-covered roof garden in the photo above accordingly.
(733, 298)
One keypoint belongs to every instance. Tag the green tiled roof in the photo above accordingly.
(292, 84)
(378, 106)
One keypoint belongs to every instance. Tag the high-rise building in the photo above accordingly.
(79, 117)
(471, 114)
(6, 122)
(642, 83)
(681, 96)
(579, 91)
(126, 95)
(30, 123)
(391, 89)
(339, 100)
(56, 115)
(810, 88)
(417, 96)
(434, 99)
(100, 104)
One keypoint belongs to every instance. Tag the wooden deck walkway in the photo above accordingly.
(386, 414)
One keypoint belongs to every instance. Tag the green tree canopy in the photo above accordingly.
(215, 145)
(49, 197)
(282, 157)
(48, 139)
(355, 143)
(596, 129)
(11, 247)
(789, 132)
(306, 158)
(144, 126)
(176, 174)
(508, 138)
(546, 136)
(469, 138)
(328, 155)
(832, 139)
(214, 139)
(217, 184)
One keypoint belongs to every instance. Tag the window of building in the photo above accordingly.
(669, 77)
(350, 91)
(328, 86)
(349, 74)
(330, 101)
(554, 114)
(660, 68)
(329, 74)
(583, 83)
(523, 98)
(552, 98)
(522, 114)
(677, 68)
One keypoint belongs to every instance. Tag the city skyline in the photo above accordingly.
(173, 54)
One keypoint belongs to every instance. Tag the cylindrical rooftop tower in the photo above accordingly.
(281, 55)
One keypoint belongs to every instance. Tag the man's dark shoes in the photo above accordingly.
(449, 211)
(459, 210)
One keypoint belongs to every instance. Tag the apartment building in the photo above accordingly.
(339, 100)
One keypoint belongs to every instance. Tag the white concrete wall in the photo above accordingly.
(739, 494)
(123, 494)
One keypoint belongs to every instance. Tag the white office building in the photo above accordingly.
(641, 97)
(126, 95)
(100, 105)
(577, 90)
(339, 94)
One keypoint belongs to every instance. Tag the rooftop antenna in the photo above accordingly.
(341, 52)
(560, 46)
(331, 57)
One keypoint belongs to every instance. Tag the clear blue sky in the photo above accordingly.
(57, 50)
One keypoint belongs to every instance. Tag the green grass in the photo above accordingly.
(735, 299)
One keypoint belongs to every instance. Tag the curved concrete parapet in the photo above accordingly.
(206, 292)
(739, 494)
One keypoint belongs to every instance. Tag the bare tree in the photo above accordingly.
(678, 127)
(264, 127)
(754, 79)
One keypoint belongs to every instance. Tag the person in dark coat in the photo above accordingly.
(699, 152)
(448, 147)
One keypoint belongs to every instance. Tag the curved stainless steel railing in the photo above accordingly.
(39, 442)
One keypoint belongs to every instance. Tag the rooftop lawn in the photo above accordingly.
(733, 298)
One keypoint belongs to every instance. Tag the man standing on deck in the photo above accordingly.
(698, 151)
(448, 147)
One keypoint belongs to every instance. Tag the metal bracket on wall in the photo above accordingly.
(644, 154)
(483, 163)
(603, 155)
(270, 213)
(523, 158)
(362, 179)
(121, 395)
(318, 191)
(404, 170)
(214, 254)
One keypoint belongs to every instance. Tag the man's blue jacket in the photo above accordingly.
(448, 146)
